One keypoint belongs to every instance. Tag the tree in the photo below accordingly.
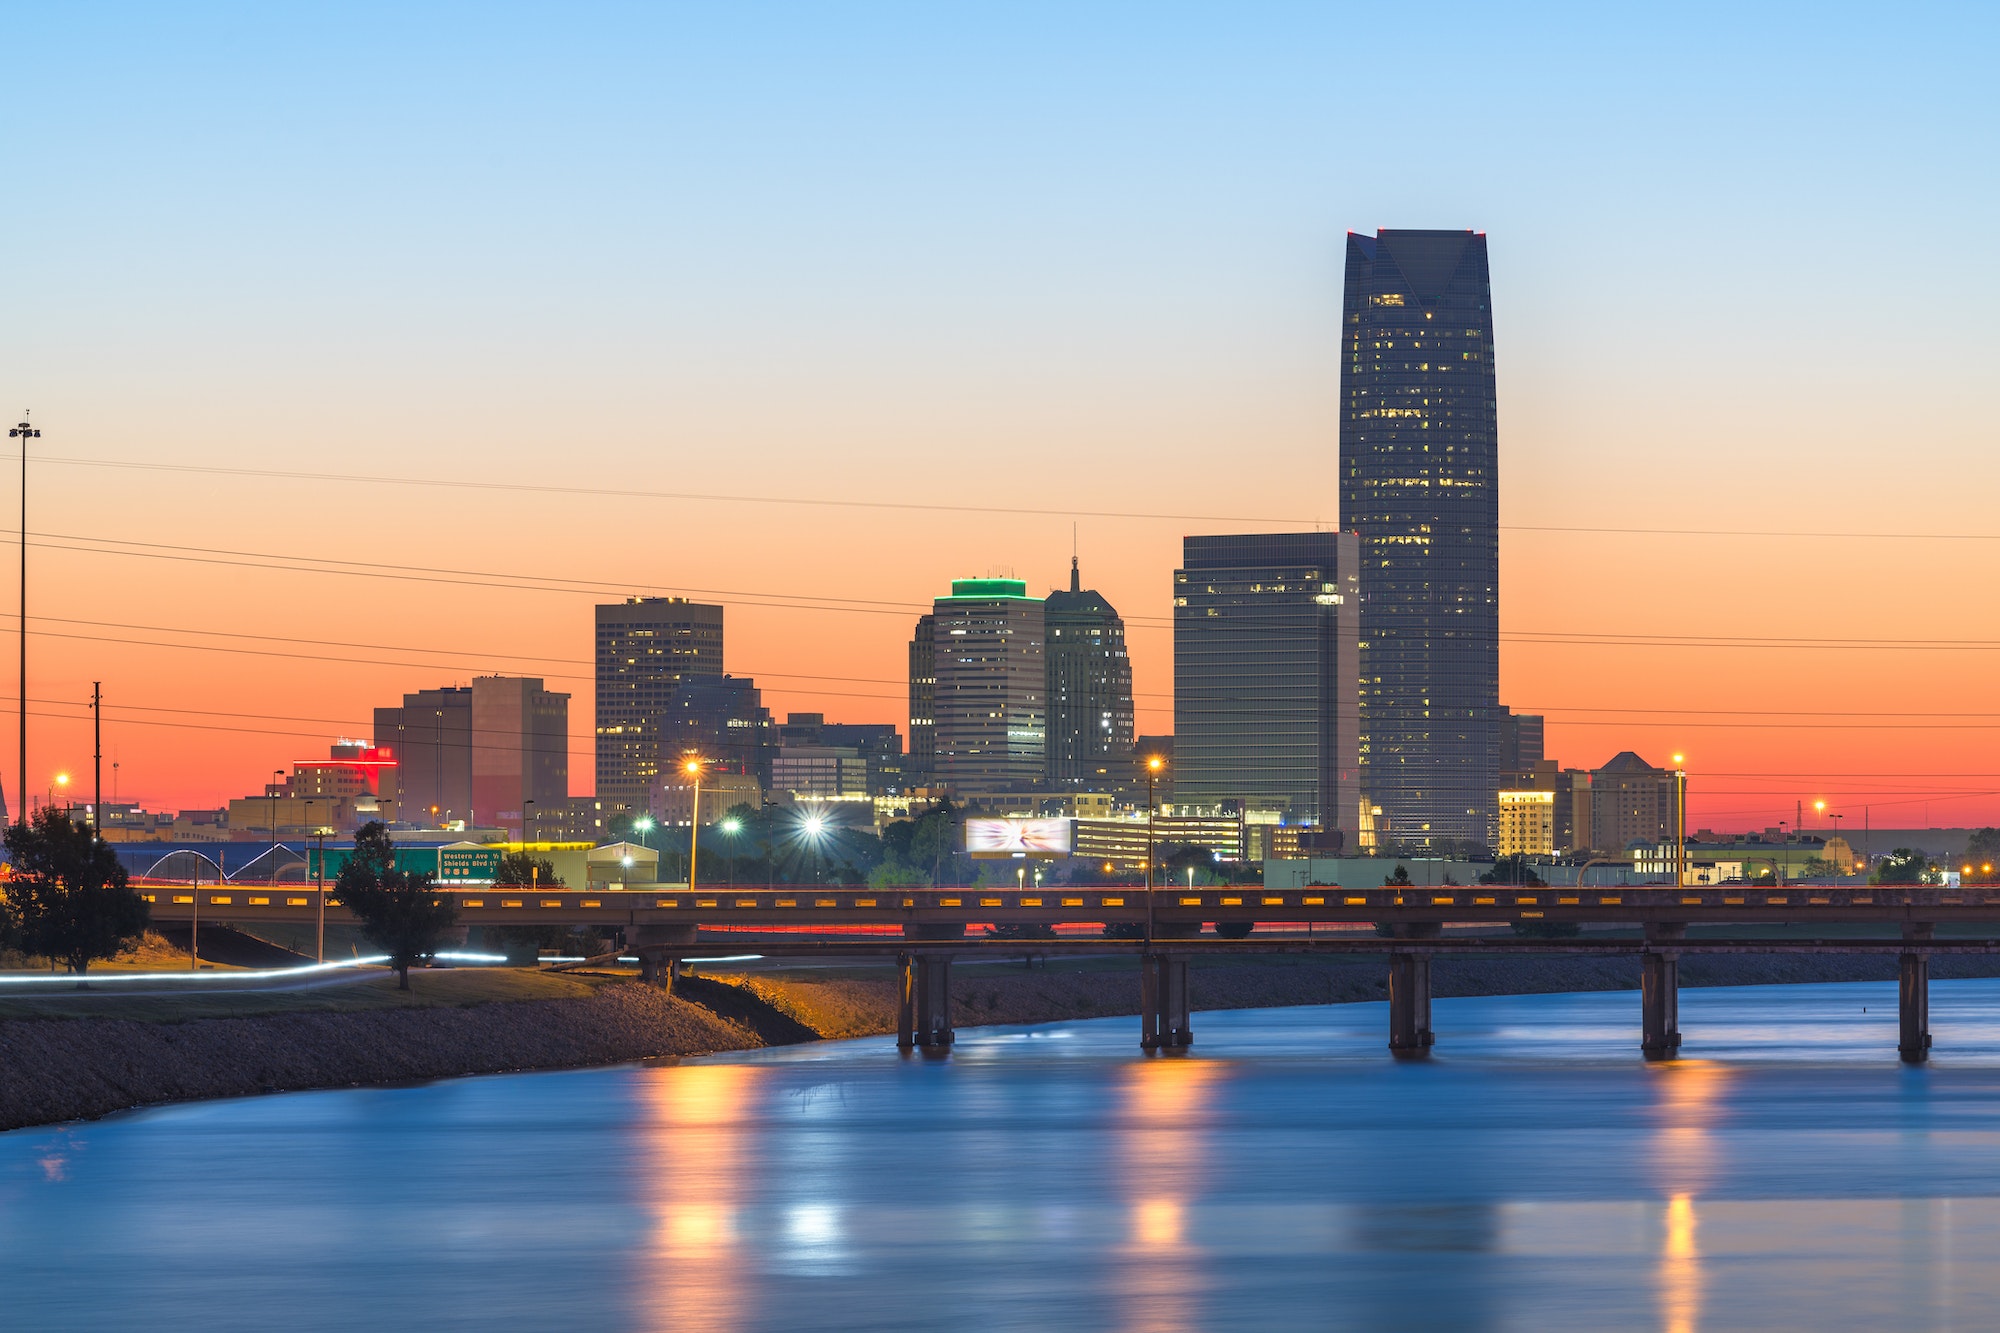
(518, 870)
(400, 912)
(1399, 880)
(69, 895)
(1904, 866)
(1514, 870)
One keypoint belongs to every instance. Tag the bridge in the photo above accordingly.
(924, 930)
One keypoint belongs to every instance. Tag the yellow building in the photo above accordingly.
(1527, 824)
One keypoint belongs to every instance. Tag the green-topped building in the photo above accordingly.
(990, 718)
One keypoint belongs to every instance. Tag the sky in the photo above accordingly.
(375, 344)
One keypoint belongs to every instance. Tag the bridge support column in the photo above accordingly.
(657, 969)
(906, 1002)
(1164, 1021)
(932, 987)
(1659, 1005)
(1410, 1005)
(1913, 996)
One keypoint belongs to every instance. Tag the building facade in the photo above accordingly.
(647, 647)
(1418, 482)
(1089, 690)
(921, 767)
(722, 719)
(1627, 802)
(430, 735)
(991, 710)
(1266, 636)
(520, 751)
(1526, 823)
(821, 772)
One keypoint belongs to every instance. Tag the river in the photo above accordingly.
(1787, 1172)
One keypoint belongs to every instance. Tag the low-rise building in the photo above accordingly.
(1526, 825)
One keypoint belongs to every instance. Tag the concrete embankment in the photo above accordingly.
(66, 1066)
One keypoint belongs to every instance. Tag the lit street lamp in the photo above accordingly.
(692, 767)
(1680, 821)
(1153, 767)
(730, 828)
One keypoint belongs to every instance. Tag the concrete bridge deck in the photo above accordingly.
(924, 930)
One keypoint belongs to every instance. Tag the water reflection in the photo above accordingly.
(1162, 1150)
(1680, 1269)
(691, 1273)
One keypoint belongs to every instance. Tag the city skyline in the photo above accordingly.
(1044, 331)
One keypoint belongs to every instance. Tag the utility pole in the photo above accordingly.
(97, 758)
(24, 432)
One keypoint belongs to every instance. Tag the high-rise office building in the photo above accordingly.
(520, 752)
(991, 715)
(430, 736)
(1418, 482)
(1089, 690)
(1265, 662)
(921, 768)
(723, 719)
(646, 647)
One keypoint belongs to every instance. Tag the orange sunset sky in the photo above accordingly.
(1743, 319)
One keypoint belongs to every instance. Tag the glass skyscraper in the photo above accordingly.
(646, 647)
(1089, 690)
(1418, 483)
(1266, 638)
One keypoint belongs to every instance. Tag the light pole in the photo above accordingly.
(277, 780)
(730, 828)
(692, 767)
(320, 831)
(1680, 821)
(534, 871)
(194, 924)
(24, 432)
(1153, 767)
(815, 825)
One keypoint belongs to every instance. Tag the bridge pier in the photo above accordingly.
(1410, 1034)
(1164, 1022)
(1913, 1003)
(658, 956)
(1659, 1005)
(927, 988)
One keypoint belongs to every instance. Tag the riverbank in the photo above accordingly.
(72, 1056)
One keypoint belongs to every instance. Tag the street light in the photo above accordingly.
(1680, 821)
(731, 827)
(625, 879)
(692, 767)
(1153, 766)
(815, 827)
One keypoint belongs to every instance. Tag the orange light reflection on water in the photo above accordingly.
(1161, 1150)
(693, 1145)
(1684, 1163)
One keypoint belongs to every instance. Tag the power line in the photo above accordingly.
(625, 493)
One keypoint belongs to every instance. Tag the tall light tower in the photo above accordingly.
(24, 432)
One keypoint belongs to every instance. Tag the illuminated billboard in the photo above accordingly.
(1017, 837)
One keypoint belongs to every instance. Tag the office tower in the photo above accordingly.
(1089, 690)
(1521, 745)
(1418, 478)
(879, 743)
(991, 718)
(646, 648)
(520, 753)
(430, 737)
(921, 769)
(723, 719)
(1265, 649)
(1625, 802)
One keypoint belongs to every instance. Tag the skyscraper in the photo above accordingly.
(430, 736)
(1418, 482)
(992, 716)
(520, 751)
(1265, 662)
(646, 646)
(1089, 690)
(723, 719)
(922, 766)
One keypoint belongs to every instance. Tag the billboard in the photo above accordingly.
(1017, 837)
